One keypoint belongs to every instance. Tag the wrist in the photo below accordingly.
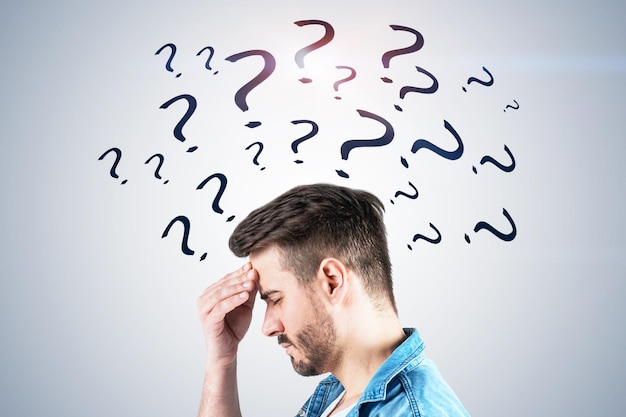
(224, 364)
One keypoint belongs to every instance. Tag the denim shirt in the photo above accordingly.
(406, 384)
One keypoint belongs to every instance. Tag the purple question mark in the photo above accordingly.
(268, 69)
(329, 34)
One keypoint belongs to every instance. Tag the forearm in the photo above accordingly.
(225, 310)
(220, 397)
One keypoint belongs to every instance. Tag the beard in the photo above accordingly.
(316, 342)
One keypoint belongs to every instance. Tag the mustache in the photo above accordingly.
(282, 338)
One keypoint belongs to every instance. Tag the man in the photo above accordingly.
(318, 257)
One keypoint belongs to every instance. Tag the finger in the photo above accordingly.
(238, 299)
(226, 288)
(230, 277)
(207, 302)
(252, 294)
(235, 278)
(219, 312)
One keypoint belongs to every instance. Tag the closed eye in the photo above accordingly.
(271, 297)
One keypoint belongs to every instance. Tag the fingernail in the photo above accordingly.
(246, 284)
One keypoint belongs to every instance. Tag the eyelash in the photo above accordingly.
(274, 302)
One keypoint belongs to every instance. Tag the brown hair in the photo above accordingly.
(311, 222)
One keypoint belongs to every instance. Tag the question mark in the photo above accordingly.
(161, 159)
(487, 83)
(411, 196)
(268, 69)
(257, 154)
(506, 237)
(424, 90)
(211, 52)
(186, 226)
(329, 34)
(417, 45)
(344, 80)
(434, 241)
(118, 156)
(385, 139)
(223, 181)
(168, 64)
(450, 155)
(504, 168)
(511, 107)
(178, 129)
(297, 142)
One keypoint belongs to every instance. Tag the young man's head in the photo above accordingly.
(312, 222)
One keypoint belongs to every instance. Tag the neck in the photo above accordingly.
(370, 338)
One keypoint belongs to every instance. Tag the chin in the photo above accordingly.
(305, 369)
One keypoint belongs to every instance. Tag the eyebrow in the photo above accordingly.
(265, 295)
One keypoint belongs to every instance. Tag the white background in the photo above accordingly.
(98, 311)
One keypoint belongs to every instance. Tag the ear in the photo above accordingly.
(333, 276)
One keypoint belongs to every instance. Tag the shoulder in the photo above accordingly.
(424, 386)
(414, 387)
(418, 390)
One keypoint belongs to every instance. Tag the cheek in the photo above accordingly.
(295, 317)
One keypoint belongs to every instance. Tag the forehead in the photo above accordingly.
(272, 275)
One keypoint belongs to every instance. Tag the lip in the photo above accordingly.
(287, 347)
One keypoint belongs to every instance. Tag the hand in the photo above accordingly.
(225, 310)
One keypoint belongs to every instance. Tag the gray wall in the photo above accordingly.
(97, 311)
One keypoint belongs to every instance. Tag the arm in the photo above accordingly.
(225, 310)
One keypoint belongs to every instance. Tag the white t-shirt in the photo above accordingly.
(331, 407)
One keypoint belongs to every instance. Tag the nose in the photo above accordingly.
(272, 326)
